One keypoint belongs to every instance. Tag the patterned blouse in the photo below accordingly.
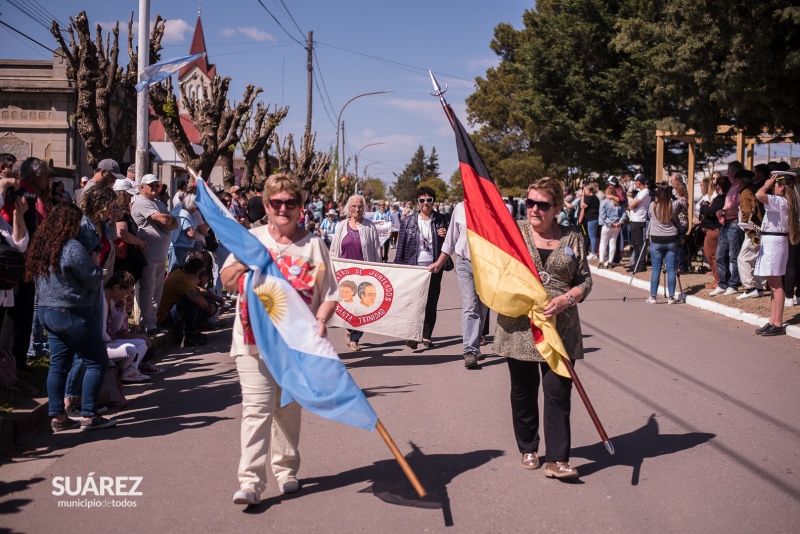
(568, 268)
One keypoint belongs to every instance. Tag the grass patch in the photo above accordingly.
(34, 379)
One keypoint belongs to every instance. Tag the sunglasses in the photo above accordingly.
(276, 203)
(425, 200)
(543, 206)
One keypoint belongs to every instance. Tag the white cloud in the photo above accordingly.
(174, 32)
(419, 107)
(250, 31)
(481, 64)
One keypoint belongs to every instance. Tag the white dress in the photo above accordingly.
(774, 251)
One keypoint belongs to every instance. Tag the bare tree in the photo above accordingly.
(219, 124)
(256, 142)
(308, 166)
(99, 80)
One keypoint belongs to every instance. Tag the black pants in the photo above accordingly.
(189, 313)
(637, 242)
(430, 305)
(15, 335)
(385, 251)
(791, 279)
(525, 379)
(485, 319)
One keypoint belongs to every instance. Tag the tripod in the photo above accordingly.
(645, 250)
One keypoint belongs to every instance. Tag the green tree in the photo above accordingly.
(432, 165)
(456, 190)
(416, 171)
(373, 189)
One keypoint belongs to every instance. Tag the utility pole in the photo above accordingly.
(310, 49)
(142, 110)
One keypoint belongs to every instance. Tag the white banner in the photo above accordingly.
(384, 228)
(381, 298)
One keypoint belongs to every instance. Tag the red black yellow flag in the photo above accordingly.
(506, 278)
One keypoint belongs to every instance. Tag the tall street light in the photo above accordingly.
(359, 153)
(338, 123)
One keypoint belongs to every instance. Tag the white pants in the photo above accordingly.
(266, 427)
(608, 242)
(127, 352)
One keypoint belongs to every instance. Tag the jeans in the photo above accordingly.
(219, 256)
(472, 309)
(663, 253)
(730, 243)
(591, 229)
(74, 331)
(151, 286)
(39, 342)
(177, 256)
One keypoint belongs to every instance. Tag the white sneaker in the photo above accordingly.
(651, 300)
(730, 291)
(248, 498)
(750, 294)
(717, 291)
(132, 376)
(671, 300)
(591, 256)
(290, 485)
(787, 302)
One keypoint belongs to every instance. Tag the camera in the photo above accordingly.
(11, 196)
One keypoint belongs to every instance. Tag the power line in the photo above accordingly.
(26, 37)
(47, 13)
(28, 13)
(291, 17)
(23, 42)
(324, 105)
(280, 25)
(319, 71)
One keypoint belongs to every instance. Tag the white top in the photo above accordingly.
(776, 215)
(7, 231)
(456, 239)
(640, 213)
(425, 251)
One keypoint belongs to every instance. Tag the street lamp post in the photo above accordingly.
(359, 153)
(338, 123)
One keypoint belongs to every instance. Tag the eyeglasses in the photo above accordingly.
(543, 206)
(359, 207)
(425, 200)
(276, 203)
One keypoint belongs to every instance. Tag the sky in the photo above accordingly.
(405, 39)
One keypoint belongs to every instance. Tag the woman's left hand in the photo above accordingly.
(323, 327)
(442, 232)
(556, 306)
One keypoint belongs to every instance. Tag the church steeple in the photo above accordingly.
(198, 47)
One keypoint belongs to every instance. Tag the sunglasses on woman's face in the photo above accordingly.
(543, 206)
(276, 203)
(425, 200)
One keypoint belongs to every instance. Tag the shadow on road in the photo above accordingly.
(634, 447)
(390, 485)
(14, 506)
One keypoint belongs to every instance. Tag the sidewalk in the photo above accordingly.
(754, 311)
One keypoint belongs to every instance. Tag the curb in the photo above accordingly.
(697, 302)
(33, 415)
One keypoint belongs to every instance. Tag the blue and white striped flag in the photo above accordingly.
(303, 364)
(163, 70)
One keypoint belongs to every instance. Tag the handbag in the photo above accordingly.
(449, 265)
(12, 265)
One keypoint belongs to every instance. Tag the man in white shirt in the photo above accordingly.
(473, 311)
(638, 218)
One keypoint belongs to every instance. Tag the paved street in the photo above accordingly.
(704, 415)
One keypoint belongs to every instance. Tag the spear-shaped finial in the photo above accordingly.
(440, 94)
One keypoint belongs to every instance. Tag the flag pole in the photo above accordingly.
(401, 460)
(582, 392)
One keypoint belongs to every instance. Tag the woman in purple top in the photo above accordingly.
(356, 239)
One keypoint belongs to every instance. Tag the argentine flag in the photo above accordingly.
(163, 70)
(303, 364)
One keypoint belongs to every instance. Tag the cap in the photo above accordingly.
(84, 180)
(129, 186)
(613, 180)
(108, 165)
(234, 188)
(639, 178)
(149, 179)
(781, 175)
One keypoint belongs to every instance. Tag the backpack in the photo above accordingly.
(12, 265)
(8, 369)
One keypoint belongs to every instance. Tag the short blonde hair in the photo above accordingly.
(551, 187)
(284, 182)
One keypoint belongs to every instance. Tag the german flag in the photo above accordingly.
(506, 278)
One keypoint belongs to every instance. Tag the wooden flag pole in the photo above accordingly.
(589, 407)
(401, 459)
